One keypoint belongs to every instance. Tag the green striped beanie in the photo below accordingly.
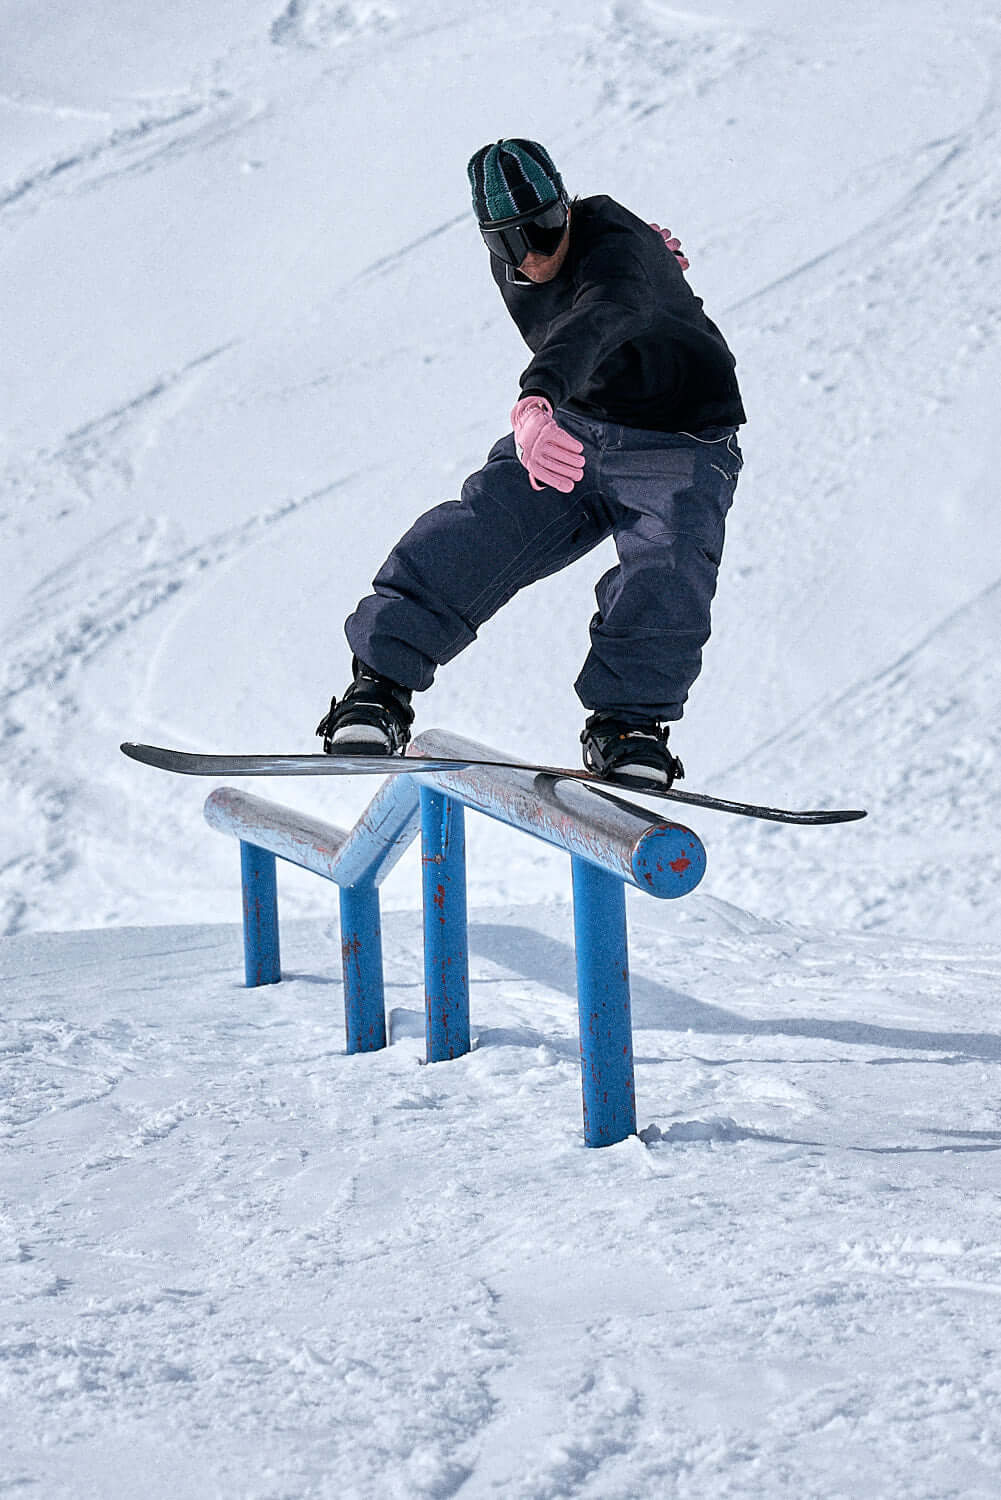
(512, 177)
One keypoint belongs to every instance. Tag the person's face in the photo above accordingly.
(542, 268)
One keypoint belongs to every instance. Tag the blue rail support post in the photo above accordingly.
(261, 958)
(356, 862)
(608, 1091)
(361, 960)
(446, 953)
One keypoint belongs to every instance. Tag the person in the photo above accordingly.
(625, 426)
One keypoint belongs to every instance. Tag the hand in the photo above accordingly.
(549, 454)
(674, 245)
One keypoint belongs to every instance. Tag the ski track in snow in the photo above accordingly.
(85, 619)
(922, 743)
(315, 23)
(144, 145)
(97, 461)
(70, 618)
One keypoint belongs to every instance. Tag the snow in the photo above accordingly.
(237, 1262)
(248, 336)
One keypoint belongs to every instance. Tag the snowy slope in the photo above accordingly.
(923, 739)
(238, 1263)
(249, 333)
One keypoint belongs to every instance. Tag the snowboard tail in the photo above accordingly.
(187, 763)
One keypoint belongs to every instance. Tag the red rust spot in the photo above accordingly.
(680, 865)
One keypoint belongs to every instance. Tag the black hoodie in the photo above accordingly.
(618, 334)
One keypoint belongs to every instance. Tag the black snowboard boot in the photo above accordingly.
(373, 717)
(629, 752)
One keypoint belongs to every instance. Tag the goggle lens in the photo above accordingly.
(540, 235)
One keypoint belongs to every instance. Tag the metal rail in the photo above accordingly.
(611, 844)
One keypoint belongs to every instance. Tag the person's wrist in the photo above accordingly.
(530, 401)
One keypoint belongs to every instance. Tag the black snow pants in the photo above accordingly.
(662, 497)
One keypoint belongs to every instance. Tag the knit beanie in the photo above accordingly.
(512, 177)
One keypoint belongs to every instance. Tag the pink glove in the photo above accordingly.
(674, 245)
(550, 455)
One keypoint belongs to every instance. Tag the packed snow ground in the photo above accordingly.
(248, 334)
(239, 1263)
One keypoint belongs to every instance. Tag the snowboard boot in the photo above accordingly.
(629, 752)
(373, 717)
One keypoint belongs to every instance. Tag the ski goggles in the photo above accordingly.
(539, 232)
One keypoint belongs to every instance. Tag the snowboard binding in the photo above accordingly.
(373, 717)
(619, 751)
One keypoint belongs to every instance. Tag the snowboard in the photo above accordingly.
(187, 763)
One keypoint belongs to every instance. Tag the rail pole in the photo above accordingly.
(361, 961)
(606, 1033)
(446, 947)
(261, 957)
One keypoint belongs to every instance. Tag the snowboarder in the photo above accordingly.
(625, 426)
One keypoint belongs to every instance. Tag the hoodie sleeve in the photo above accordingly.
(612, 304)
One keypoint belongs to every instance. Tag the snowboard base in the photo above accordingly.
(188, 763)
